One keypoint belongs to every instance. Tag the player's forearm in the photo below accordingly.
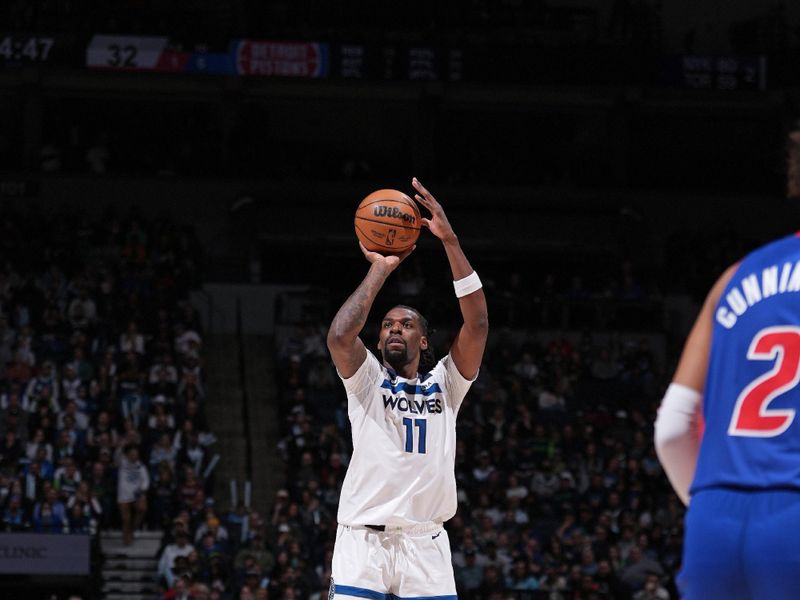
(473, 306)
(677, 436)
(352, 316)
(459, 264)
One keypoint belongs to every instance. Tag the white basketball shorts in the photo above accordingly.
(395, 564)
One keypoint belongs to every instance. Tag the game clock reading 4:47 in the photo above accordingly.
(31, 48)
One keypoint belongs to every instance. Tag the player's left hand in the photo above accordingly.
(438, 223)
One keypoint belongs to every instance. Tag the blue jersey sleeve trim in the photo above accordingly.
(411, 389)
(357, 592)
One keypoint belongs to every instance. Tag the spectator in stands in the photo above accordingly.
(639, 568)
(46, 378)
(19, 370)
(82, 311)
(162, 496)
(190, 411)
(132, 486)
(179, 590)
(187, 341)
(188, 487)
(76, 419)
(257, 548)
(89, 502)
(66, 478)
(180, 547)
(11, 451)
(79, 521)
(492, 582)
(107, 374)
(69, 441)
(162, 452)
(45, 399)
(190, 386)
(521, 579)
(191, 451)
(70, 382)
(14, 518)
(163, 375)
(653, 590)
(469, 577)
(14, 418)
(83, 367)
(101, 425)
(211, 526)
(7, 335)
(50, 514)
(200, 591)
(131, 340)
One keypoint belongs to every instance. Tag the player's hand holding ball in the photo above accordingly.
(388, 223)
(391, 261)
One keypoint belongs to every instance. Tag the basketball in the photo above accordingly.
(388, 222)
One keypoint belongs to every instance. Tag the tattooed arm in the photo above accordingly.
(347, 349)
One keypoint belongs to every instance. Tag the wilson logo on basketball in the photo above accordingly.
(394, 213)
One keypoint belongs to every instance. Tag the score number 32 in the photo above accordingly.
(752, 416)
(122, 56)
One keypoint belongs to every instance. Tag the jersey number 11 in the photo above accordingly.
(410, 425)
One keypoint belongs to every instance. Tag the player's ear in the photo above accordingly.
(380, 340)
(423, 342)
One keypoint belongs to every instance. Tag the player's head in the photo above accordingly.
(403, 337)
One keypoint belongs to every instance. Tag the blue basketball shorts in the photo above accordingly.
(742, 545)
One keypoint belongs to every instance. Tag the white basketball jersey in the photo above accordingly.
(404, 445)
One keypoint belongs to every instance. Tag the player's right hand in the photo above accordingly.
(389, 261)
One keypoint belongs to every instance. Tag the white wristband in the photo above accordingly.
(467, 285)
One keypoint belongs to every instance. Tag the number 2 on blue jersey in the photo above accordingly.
(410, 425)
(752, 416)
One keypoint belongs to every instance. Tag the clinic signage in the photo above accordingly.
(44, 554)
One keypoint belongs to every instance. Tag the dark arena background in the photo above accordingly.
(177, 187)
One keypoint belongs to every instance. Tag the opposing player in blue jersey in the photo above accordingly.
(740, 370)
(400, 485)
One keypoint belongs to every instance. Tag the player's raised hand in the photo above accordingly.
(437, 223)
(390, 261)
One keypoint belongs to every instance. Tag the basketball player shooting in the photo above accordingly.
(400, 484)
(740, 367)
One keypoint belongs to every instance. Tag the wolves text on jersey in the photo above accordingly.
(431, 406)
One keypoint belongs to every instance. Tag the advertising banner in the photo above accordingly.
(281, 59)
(44, 554)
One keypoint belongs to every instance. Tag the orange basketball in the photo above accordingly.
(388, 222)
